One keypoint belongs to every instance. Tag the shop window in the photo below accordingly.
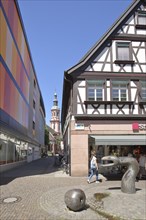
(119, 91)
(95, 91)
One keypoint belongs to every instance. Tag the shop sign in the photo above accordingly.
(79, 126)
(137, 126)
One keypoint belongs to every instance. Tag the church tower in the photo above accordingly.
(55, 119)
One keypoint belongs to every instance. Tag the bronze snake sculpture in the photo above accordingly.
(129, 177)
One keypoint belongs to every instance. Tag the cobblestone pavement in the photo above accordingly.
(40, 188)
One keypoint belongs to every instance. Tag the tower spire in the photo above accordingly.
(55, 101)
(55, 119)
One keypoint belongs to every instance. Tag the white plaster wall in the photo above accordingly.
(136, 68)
(131, 30)
(108, 110)
(141, 55)
(141, 32)
(107, 67)
(135, 112)
(82, 93)
(133, 84)
(82, 83)
(97, 66)
(133, 93)
(79, 109)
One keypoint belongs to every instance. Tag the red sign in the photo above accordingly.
(135, 126)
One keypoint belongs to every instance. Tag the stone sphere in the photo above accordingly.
(75, 199)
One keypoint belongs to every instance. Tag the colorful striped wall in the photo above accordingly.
(15, 65)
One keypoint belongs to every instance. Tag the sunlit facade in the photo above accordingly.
(22, 113)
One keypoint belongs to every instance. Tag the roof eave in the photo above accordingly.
(104, 38)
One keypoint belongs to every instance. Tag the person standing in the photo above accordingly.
(93, 167)
(142, 165)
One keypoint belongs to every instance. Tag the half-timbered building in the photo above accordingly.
(104, 95)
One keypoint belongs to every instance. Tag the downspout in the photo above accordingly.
(69, 141)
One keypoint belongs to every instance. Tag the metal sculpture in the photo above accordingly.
(129, 177)
(75, 199)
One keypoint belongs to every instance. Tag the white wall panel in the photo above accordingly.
(116, 68)
(114, 109)
(79, 109)
(102, 55)
(136, 68)
(97, 66)
(107, 67)
(135, 112)
(143, 68)
(131, 30)
(127, 68)
(82, 83)
(133, 93)
(141, 32)
(108, 94)
(141, 55)
(133, 84)
(82, 93)
(108, 110)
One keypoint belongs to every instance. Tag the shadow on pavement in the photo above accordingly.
(37, 167)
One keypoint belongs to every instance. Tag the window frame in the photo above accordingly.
(95, 85)
(138, 24)
(120, 86)
(143, 88)
(129, 47)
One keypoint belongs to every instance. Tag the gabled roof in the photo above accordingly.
(105, 37)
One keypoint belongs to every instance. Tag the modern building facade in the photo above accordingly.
(104, 95)
(22, 112)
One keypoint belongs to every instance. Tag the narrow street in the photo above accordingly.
(37, 167)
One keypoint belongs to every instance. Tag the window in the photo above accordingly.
(123, 51)
(119, 91)
(143, 90)
(95, 90)
(33, 125)
(34, 83)
(33, 104)
(141, 19)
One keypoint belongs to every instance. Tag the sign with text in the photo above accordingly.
(79, 126)
(136, 126)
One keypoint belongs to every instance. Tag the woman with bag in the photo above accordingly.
(93, 167)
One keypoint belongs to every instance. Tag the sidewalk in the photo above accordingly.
(39, 195)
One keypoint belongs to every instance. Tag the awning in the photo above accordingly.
(119, 139)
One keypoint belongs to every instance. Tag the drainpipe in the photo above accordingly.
(69, 141)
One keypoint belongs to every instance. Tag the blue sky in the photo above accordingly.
(60, 33)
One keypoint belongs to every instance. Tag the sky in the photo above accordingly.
(60, 33)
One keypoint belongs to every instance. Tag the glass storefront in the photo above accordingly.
(12, 149)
